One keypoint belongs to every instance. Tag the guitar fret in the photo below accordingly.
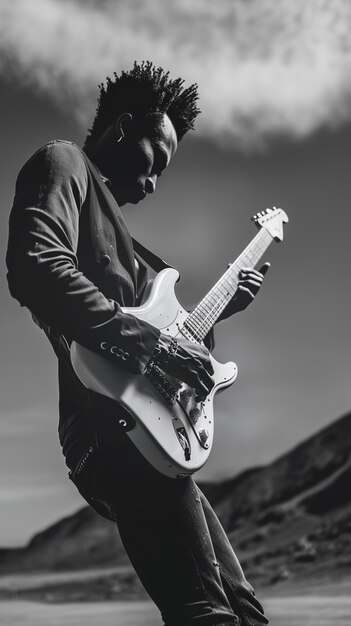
(207, 312)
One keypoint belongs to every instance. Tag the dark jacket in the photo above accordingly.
(70, 257)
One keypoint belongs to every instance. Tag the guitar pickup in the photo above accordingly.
(184, 442)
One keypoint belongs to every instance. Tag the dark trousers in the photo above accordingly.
(171, 534)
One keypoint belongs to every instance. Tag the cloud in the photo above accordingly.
(264, 68)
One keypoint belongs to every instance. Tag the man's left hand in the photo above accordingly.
(248, 287)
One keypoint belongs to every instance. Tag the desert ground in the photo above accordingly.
(81, 598)
(285, 611)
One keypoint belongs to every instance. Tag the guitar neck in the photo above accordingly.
(200, 321)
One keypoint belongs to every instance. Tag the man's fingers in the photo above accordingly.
(201, 379)
(208, 367)
(205, 378)
(251, 275)
(247, 271)
(246, 292)
(204, 384)
(247, 282)
(245, 289)
(264, 269)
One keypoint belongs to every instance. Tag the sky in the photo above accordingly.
(275, 129)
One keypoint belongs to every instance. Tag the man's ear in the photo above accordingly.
(123, 125)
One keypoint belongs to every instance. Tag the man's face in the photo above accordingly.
(141, 160)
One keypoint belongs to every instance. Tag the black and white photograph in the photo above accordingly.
(175, 406)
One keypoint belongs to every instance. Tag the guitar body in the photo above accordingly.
(160, 414)
(176, 435)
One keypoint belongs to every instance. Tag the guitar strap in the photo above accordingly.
(149, 257)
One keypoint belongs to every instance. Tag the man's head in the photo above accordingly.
(141, 117)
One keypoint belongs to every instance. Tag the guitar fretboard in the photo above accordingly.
(204, 316)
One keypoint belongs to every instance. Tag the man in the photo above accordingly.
(71, 262)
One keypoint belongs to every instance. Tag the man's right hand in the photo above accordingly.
(191, 364)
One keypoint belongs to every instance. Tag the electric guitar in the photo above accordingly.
(170, 428)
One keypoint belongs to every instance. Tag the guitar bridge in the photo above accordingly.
(161, 383)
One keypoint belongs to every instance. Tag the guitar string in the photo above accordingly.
(210, 308)
(206, 322)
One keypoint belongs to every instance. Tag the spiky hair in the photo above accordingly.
(143, 91)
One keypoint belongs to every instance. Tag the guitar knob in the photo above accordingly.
(194, 415)
(204, 435)
(185, 395)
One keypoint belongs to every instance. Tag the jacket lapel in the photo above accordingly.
(110, 207)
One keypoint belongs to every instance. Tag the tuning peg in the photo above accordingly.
(268, 210)
(258, 216)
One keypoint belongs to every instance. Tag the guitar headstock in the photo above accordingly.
(272, 220)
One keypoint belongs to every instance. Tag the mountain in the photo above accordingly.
(81, 540)
(292, 518)
(289, 520)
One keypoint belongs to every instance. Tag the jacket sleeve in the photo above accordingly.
(43, 272)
